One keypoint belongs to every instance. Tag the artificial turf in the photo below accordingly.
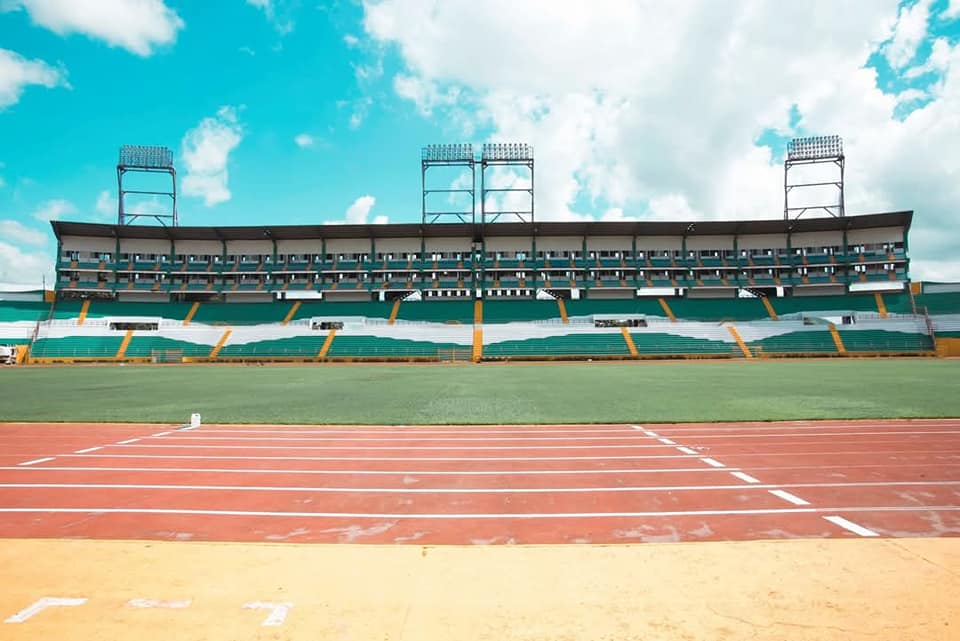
(515, 393)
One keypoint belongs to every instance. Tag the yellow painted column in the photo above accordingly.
(769, 306)
(326, 344)
(191, 313)
(477, 343)
(216, 349)
(394, 312)
(837, 340)
(124, 344)
(667, 310)
(629, 341)
(881, 306)
(83, 312)
(563, 310)
(477, 312)
(290, 314)
(736, 336)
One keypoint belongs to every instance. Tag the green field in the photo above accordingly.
(518, 393)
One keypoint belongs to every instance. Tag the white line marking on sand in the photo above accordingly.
(39, 460)
(278, 611)
(743, 476)
(151, 603)
(42, 604)
(713, 462)
(850, 525)
(787, 496)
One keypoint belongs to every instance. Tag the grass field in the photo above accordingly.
(527, 393)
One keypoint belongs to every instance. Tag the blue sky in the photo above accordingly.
(297, 111)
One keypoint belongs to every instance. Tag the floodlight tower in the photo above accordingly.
(817, 150)
(145, 159)
(448, 155)
(505, 155)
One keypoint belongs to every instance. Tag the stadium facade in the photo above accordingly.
(592, 260)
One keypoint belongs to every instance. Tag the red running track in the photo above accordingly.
(482, 484)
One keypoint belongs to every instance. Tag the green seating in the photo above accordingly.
(143, 346)
(172, 311)
(668, 344)
(506, 311)
(945, 303)
(369, 309)
(77, 347)
(457, 311)
(589, 307)
(606, 344)
(876, 340)
(807, 342)
(379, 347)
(292, 347)
(240, 313)
(718, 309)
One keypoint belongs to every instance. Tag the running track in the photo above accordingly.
(483, 484)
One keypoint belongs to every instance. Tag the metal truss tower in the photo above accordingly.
(510, 155)
(818, 150)
(448, 155)
(141, 159)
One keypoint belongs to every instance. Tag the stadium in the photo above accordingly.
(143, 423)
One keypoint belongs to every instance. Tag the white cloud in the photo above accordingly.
(139, 26)
(16, 231)
(16, 73)
(54, 210)
(276, 13)
(206, 151)
(351, 40)
(936, 62)
(952, 11)
(910, 30)
(359, 110)
(304, 140)
(358, 212)
(660, 121)
(19, 267)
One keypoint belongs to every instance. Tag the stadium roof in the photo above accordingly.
(408, 230)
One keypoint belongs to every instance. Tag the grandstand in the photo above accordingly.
(510, 291)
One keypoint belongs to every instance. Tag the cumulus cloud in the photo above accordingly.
(54, 210)
(952, 11)
(662, 120)
(19, 267)
(358, 212)
(20, 233)
(139, 26)
(277, 13)
(910, 30)
(304, 140)
(17, 73)
(206, 151)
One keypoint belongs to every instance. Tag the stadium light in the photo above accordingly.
(145, 156)
(507, 151)
(815, 147)
(456, 152)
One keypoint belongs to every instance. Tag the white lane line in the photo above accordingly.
(89, 449)
(713, 462)
(472, 515)
(321, 430)
(743, 476)
(819, 434)
(665, 441)
(195, 470)
(850, 525)
(384, 458)
(398, 448)
(39, 460)
(686, 450)
(336, 439)
(159, 434)
(772, 488)
(128, 441)
(787, 496)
